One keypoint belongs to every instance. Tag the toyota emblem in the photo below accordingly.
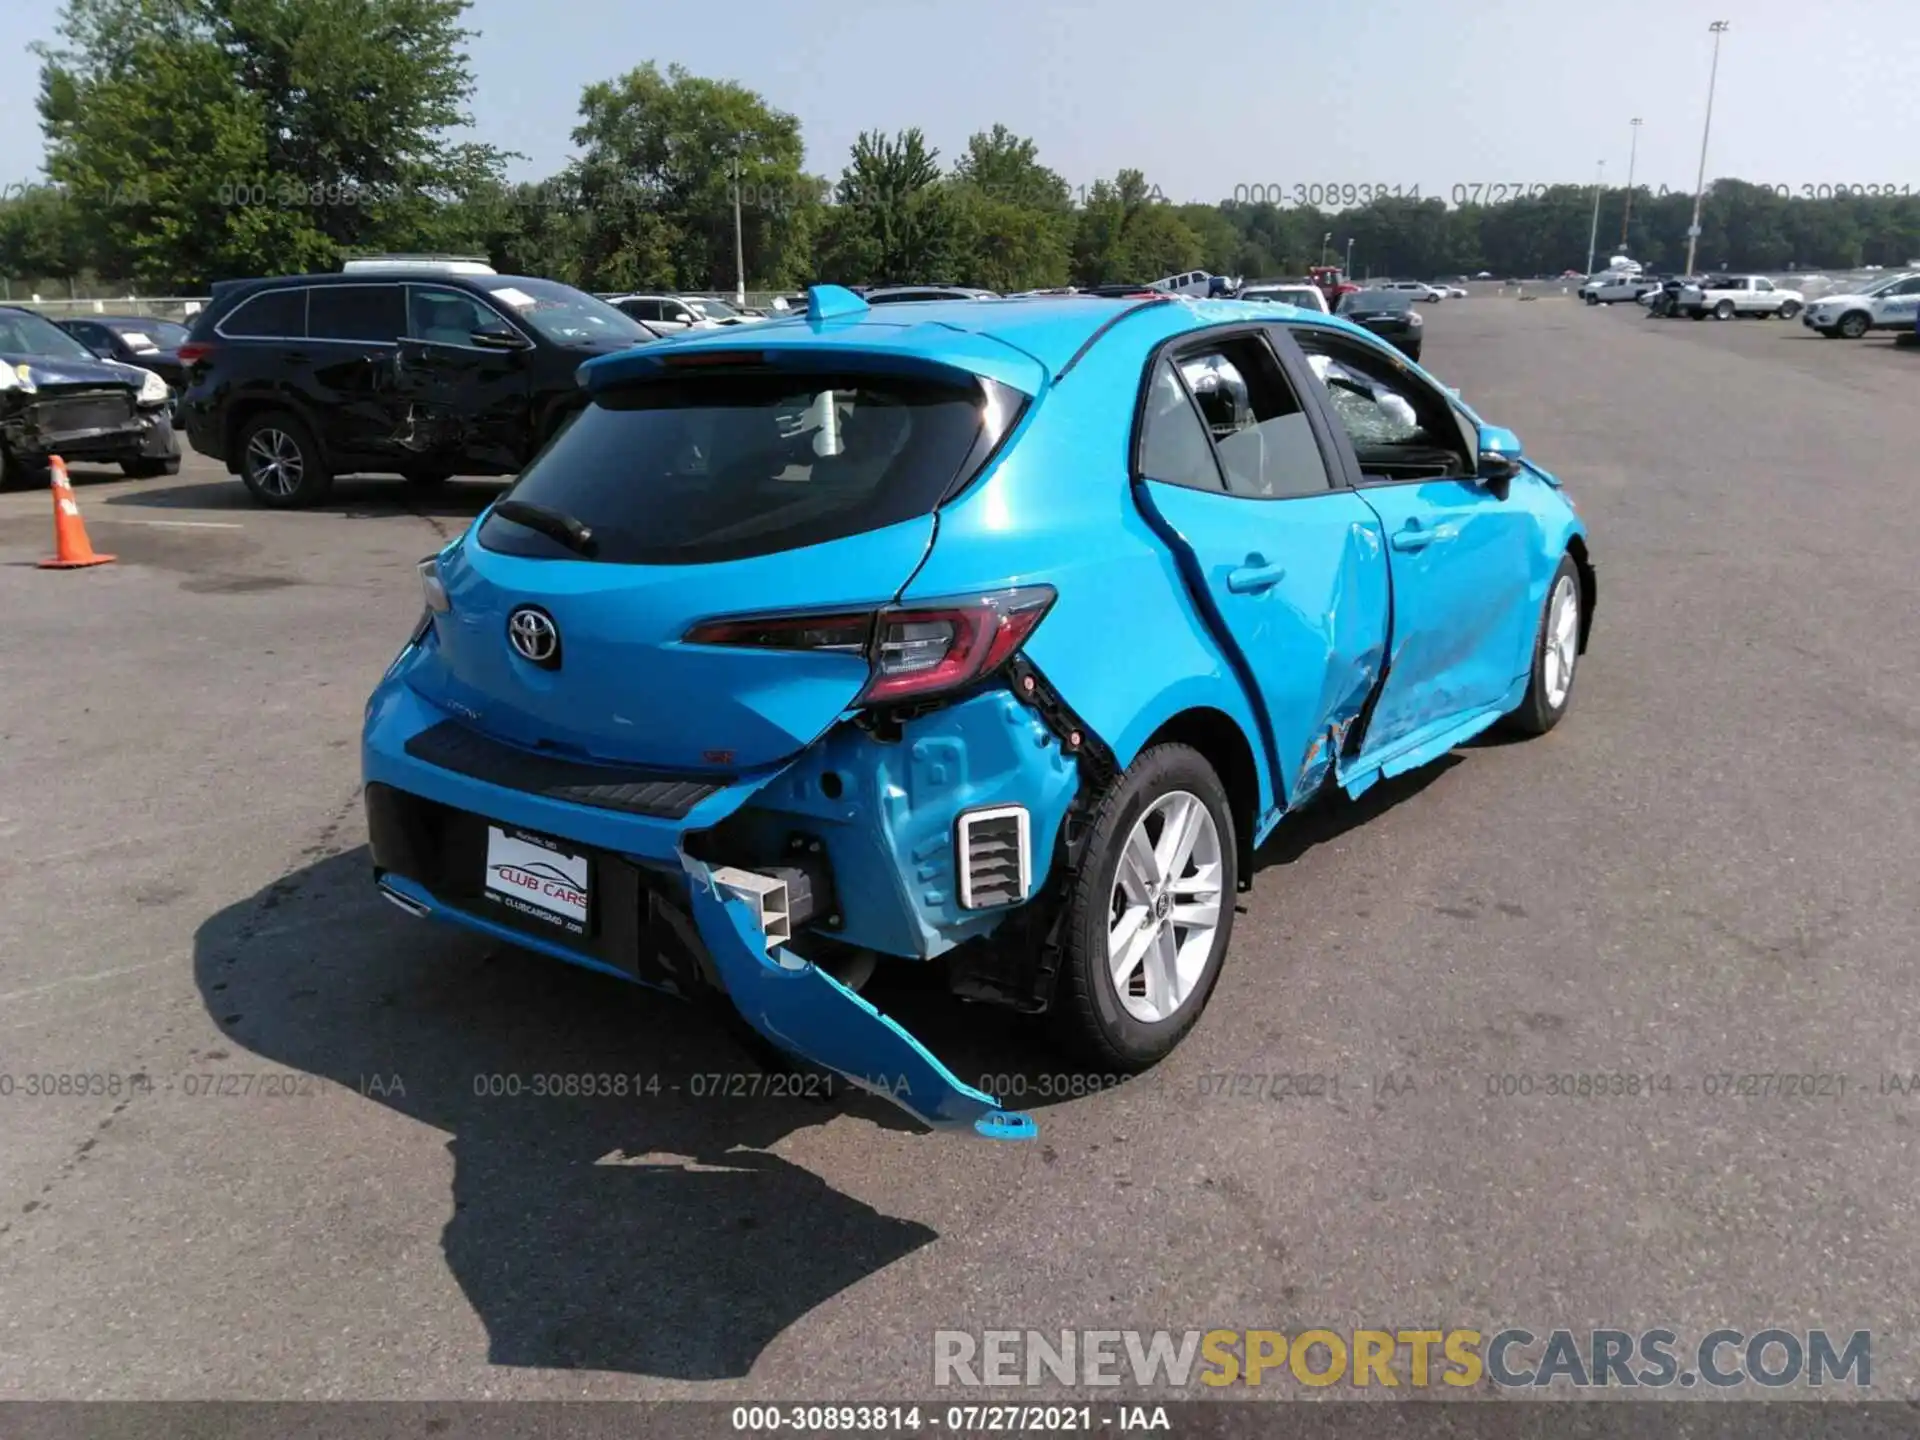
(535, 636)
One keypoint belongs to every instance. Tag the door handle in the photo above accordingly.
(1255, 577)
(1415, 536)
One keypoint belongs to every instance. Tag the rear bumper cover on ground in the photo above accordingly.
(661, 919)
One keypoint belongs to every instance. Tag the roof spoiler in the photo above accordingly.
(832, 302)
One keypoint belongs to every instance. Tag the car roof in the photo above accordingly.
(1023, 342)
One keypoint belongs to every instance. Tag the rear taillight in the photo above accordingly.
(914, 651)
(194, 351)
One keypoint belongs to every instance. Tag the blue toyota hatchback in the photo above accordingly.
(995, 632)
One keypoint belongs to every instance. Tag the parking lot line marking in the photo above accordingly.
(32, 990)
(179, 524)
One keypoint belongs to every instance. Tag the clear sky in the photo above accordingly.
(1207, 97)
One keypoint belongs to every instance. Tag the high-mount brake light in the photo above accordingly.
(914, 651)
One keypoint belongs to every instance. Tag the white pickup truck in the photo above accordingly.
(1725, 296)
(1616, 285)
(1892, 304)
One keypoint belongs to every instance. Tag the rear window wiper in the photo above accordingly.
(556, 525)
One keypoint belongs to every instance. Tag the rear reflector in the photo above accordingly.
(194, 351)
(991, 852)
(914, 651)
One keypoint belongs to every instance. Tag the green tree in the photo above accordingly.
(894, 218)
(201, 139)
(656, 178)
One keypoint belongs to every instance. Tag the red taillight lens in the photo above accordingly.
(914, 650)
(194, 351)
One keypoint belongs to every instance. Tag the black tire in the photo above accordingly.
(1724, 310)
(1537, 714)
(1593, 299)
(18, 474)
(1854, 324)
(1789, 310)
(150, 469)
(313, 480)
(1088, 1015)
(1696, 314)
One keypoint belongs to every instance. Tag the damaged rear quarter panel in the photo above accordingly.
(886, 810)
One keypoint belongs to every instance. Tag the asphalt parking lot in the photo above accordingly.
(1706, 871)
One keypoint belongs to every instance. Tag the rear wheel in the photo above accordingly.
(1556, 650)
(1790, 309)
(1854, 324)
(1151, 911)
(280, 463)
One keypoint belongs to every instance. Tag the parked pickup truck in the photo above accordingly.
(1892, 304)
(1725, 296)
(1605, 289)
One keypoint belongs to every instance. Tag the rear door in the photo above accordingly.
(713, 498)
(1289, 571)
(353, 336)
(468, 405)
(1460, 556)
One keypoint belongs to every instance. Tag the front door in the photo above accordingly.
(1288, 571)
(1460, 556)
(467, 404)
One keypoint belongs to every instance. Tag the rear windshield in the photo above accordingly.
(721, 467)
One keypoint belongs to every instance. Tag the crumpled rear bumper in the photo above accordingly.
(656, 888)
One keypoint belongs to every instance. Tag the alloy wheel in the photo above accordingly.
(1165, 907)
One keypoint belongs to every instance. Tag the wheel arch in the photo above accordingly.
(1222, 743)
(249, 407)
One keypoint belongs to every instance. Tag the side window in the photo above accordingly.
(1906, 287)
(1400, 429)
(357, 312)
(276, 315)
(1173, 442)
(1260, 432)
(1765, 285)
(446, 317)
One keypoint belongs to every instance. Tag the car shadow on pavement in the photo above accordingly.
(1330, 814)
(351, 496)
(653, 1232)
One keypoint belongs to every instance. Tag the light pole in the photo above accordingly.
(739, 249)
(1627, 214)
(1348, 271)
(1593, 235)
(1325, 241)
(1717, 29)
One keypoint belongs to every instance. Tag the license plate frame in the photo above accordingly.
(546, 884)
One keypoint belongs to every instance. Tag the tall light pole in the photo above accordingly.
(1593, 235)
(1717, 29)
(739, 248)
(1627, 214)
(1348, 271)
(1325, 241)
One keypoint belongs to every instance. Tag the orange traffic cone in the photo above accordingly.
(73, 551)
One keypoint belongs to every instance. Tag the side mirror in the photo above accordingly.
(1499, 455)
(498, 337)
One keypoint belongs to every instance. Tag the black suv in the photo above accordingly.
(292, 381)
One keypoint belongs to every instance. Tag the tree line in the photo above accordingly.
(190, 141)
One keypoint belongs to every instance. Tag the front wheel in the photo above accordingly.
(1723, 311)
(1556, 650)
(1150, 913)
(1790, 309)
(18, 474)
(150, 469)
(1854, 324)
